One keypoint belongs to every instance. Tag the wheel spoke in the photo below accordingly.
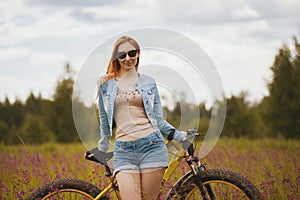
(221, 189)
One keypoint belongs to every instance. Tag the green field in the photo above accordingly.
(273, 165)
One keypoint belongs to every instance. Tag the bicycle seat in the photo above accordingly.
(98, 156)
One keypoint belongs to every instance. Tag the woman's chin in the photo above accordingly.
(128, 67)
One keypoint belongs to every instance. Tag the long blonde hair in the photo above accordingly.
(114, 65)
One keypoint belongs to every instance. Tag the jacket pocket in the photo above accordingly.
(150, 96)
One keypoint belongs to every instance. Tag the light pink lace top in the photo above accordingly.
(130, 116)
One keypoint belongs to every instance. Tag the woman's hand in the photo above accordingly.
(188, 147)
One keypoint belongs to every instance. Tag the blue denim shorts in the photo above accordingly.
(146, 152)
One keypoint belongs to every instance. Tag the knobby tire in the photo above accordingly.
(74, 187)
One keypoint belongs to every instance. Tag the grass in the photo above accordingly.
(273, 165)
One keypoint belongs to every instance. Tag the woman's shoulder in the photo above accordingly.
(146, 79)
(103, 80)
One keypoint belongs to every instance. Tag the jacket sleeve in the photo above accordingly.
(104, 141)
(163, 125)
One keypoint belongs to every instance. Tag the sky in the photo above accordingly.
(241, 37)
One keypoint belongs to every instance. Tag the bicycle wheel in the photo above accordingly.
(224, 184)
(66, 188)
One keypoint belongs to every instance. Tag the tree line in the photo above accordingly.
(39, 120)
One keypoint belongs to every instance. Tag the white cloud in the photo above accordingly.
(291, 5)
(12, 53)
(48, 59)
(13, 8)
(245, 12)
(243, 66)
(125, 13)
(18, 87)
(43, 24)
(235, 33)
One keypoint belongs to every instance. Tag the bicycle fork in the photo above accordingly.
(197, 179)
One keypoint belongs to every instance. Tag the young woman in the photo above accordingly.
(130, 102)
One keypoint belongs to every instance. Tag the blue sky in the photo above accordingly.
(37, 37)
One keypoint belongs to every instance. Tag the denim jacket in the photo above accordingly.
(151, 100)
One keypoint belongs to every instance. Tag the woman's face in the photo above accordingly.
(127, 56)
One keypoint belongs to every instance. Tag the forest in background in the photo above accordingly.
(39, 120)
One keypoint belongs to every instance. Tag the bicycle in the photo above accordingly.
(198, 183)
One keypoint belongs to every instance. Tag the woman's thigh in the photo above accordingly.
(151, 180)
(129, 182)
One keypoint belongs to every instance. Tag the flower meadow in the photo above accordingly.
(273, 165)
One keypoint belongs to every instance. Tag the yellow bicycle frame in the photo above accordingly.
(173, 149)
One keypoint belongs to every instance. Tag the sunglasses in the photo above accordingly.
(122, 55)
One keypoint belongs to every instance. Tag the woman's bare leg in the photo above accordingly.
(151, 182)
(129, 182)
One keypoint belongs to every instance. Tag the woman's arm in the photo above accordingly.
(163, 125)
(104, 141)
